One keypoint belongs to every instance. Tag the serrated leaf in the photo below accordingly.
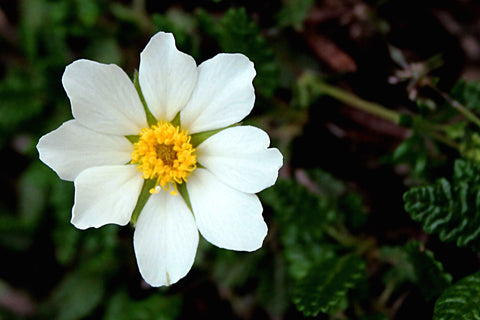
(460, 301)
(449, 209)
(327, 284)
(429, 273)
(301, 216)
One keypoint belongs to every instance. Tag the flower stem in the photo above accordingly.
(356, 102)
(460, 108)
(426, 127)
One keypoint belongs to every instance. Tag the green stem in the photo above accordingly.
(433, 131)
(343, 238)
(356, 102)
(460, 108)
(426, 127)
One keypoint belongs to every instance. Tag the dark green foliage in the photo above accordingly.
(422, 160)
(76, 296)
(460, 301)
(236, 32)
(429, 273)
(156, 306)
(467, 93)
(449, 209)
(293, 13)
(311, 221)
(327, 284)
(301, 215)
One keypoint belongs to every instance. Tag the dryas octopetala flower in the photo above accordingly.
(164, 152)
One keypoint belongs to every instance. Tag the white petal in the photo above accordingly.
(105, 195)
(226, 217)
(240, 158)
(103, 98)
(73, 148)
(167, 76)
(223, 95)
(165, 239)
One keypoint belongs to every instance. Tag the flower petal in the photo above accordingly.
(240, 158)
(165, 239)
(226, 217)
(167, 76)
(73, 148)
(223, 95)
(105, 195)
(103, 98)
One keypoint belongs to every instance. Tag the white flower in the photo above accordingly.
(144, 152)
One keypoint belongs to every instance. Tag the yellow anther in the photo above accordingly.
(164, 152)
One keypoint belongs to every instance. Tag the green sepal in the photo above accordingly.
(133, 138)
(198, 138)
(182, 189)
(151, 120)
(176, 120)
(142, 199)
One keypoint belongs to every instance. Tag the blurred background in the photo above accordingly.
(339, 196)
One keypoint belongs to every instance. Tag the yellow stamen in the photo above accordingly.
(164, 152)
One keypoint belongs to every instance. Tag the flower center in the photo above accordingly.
(164, 152)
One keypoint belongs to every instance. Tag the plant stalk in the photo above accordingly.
(358, 103)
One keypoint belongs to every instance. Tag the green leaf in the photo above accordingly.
(423, 160)
(429, 273)
(301, 216)
(77, 295)
(326, 285)
(460, 301)
(311, 220)
(401, 270)
(155, 306)
(293, 13)
(467, 93)
(470, 146)
(22, 98)
(88, 11)
(449, 209)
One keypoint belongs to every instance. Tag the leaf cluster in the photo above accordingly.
(450, 209)
(322, 261)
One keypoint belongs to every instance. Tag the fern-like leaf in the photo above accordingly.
(460, 301)
(450, 209)
(326, 285)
